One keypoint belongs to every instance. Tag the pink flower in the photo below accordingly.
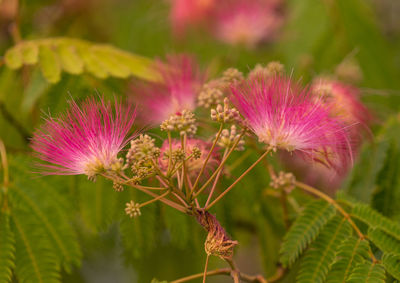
(185, 13)
(85, 140)
(283, 115)
(193, 165)
(343, 101)
(247, 22)
(177, 91)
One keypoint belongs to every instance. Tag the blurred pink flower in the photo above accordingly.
(283, 115)
(180, 81)
(343, 100)
(85, 140)
(186, 13)
(193, 165)
(247, 22)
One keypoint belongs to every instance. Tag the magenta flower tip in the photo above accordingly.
(284, 115)
(85, 140)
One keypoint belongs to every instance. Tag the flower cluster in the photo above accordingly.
(85, 140)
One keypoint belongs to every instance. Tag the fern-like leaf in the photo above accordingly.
(383, 241)
(7, 249)
(350, 253)
(318, 259)
(376, 220)
(35, 262)
(74, 56)
(367, 272)
(305, 229)
(34, 197)
(392, 264)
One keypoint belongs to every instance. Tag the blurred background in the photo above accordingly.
(356, 41)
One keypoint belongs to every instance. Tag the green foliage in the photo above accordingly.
(45, 241)
(392, 264)
(367, 272)
(306, 228)
(75, 56)
(321, 254)
(383, 241)
(376, 220)
(7, 249)
(350, 253)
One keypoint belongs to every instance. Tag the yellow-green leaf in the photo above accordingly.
(13, 58)
(69, 59)
(107, 55)
(29, 52)
(92, 63)
(49, 63)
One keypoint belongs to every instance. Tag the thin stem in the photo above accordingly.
(184, 170)
(170, 153)
(205, 269)
(222, 271)
(221, 165)
(4, 163)
(327, 198)
(196, 183)
(215, 183)
(238, 180)
(166, 201)
(155, 199)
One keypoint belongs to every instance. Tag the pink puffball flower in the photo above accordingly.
(180, 82)
(193, 165)
(283, 115)
(185, 13)
(247, 22)
(84, 140)
(343, 101)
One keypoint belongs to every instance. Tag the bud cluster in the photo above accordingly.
(184, 123)
(214, 91)
(224, 114)
(272, 69)
(132, 209)
(283, 180)
(229, 137)
(140, 156)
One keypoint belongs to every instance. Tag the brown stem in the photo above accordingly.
(221, 165)
(238, 179)
(207, 158)
(222, 271)
(215, 183)
(205, 269)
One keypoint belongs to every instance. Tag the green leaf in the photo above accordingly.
(7, 249)
(367, 272)
(75, 56)
(30, 53)
(13, 58)
(392, 264)
(318, 259)
(49, 63)
(375, 220)
(34, 260)
(50, 211)
(351, 252)
(383, 241)
(69, 59)
(305, 229)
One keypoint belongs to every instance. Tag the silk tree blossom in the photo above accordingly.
(185, 13)
(247, 22)
(343, 101)
(84, 140)
(180, 82)
(283, 115)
